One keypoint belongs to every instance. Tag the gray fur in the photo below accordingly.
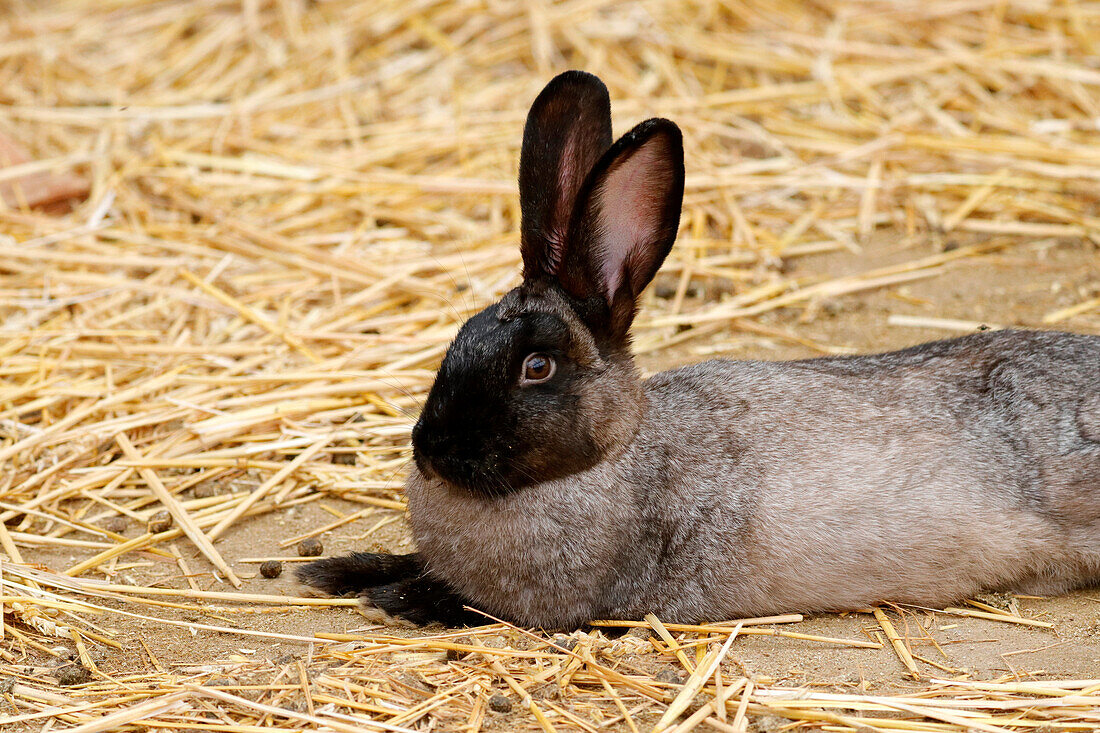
(741, 488)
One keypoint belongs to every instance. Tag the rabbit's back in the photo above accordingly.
(1024, 402)
(918, 475)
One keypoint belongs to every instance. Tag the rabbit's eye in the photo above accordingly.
(537, 368)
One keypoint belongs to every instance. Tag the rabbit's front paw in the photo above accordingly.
(358, 572)
(422, 600)
(394, 584)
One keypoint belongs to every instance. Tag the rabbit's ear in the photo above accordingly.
(626, 221)
(568, 129)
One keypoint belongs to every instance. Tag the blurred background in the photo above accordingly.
(240, 235)
(860, 173)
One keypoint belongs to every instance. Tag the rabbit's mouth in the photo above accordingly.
(460, 464)
(471, 475)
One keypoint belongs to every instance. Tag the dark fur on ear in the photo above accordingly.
(568, 129)
(626, 221)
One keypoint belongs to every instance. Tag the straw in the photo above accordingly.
(187, 524)
(897, 643)
(695, 682)
(240, 237)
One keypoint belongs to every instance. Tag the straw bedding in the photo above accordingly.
(236, 238)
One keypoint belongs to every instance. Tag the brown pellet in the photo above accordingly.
(73, 674)
(310, 547)
(271, 568)
(160, 522)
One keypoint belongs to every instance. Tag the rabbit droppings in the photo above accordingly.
(553, 486)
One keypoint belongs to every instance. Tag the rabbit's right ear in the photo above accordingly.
(568, 129)
(626, 221)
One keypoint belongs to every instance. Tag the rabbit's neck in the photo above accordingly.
(616, 405)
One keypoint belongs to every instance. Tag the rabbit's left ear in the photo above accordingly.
(627, 217)
(568, 129)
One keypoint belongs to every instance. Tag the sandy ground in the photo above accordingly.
(1013, 287)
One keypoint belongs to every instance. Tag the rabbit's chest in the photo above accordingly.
(538, 555)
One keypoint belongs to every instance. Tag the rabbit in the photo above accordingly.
(554, 486)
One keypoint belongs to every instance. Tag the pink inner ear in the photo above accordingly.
(629, 219)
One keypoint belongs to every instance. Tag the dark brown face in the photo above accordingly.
(506, 407)
(539, 386)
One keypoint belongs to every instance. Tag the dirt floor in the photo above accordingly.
(1011, 288)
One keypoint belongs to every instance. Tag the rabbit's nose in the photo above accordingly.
(424, 439)
(429, 443)
(422, 451)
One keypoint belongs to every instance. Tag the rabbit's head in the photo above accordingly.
(542, 384)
